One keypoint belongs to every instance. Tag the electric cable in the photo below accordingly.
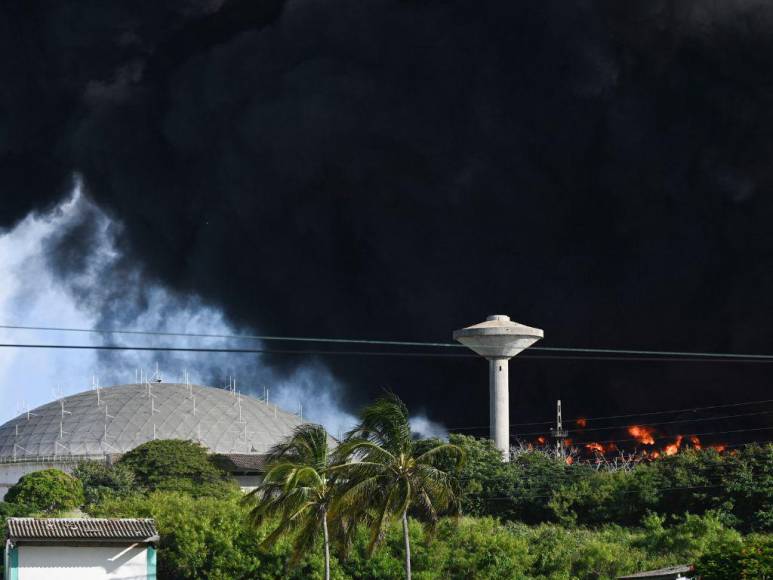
(401, 343)
(678, 421)
(642, 414)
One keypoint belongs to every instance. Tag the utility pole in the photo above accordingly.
(559, 433)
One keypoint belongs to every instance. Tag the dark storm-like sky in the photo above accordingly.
(398, 169)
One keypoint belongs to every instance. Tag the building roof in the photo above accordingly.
(122, 417)
(662, 572)
(233, 462)
(84, 529)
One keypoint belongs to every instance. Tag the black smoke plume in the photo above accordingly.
(398, 169)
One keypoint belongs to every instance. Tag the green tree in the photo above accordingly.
(483, 548)
(47, 492)
(211, 538)
(747, 559)
(176, 465)
(101, 480)
(296, 491)
(383, 477)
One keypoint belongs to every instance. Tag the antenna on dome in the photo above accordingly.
(245, 432)
(152, 398)
(95, 386)
(23, 409)
(300, 410)
(16, 445)
(157, 375)
(57, 392)
(106, 443)
(265, 394)
(239, 404)
(58, 443)
(194, 405)
(63, 413)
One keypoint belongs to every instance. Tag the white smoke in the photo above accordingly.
(425, 428)
(32, 295)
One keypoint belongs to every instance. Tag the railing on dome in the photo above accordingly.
(60, 458)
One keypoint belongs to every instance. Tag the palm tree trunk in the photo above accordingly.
(407, 546)
(327, 545)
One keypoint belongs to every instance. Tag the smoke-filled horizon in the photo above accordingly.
(596, 169)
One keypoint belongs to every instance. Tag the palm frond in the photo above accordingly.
(446, 452)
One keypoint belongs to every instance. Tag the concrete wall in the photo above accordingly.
(10, 473)
(51, 562)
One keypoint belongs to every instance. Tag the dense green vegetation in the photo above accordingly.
(175, 465)
(533, 518)
(48, 491)
(536, 488)
(211, 538)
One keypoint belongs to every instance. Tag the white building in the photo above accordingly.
(104, 423)
(80, 549)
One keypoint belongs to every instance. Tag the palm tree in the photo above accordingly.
(296, 490)
(382, 476)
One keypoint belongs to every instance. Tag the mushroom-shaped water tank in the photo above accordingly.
(498, 337)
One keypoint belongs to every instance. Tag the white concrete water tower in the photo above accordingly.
(499, 339)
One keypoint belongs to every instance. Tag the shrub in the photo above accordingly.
(46, 492)
(101, 481)
(176, 465)
(751, 558)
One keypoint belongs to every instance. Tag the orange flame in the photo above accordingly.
(569, 460)
(612, 447)
(595, 447)
(541, 440)
(655, 454)
(642, 434)
(674, 447)
(582, 422)
(719, 447)
(567, 442)
(696, 443)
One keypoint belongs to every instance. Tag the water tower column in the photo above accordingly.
(498, 339)
(499, 404)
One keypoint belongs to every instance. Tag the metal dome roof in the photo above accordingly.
(122, 417)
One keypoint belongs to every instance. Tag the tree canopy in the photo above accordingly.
(47, 492)
(101, 480)
(176, 465)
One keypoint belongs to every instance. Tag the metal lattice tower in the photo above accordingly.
(559, 433)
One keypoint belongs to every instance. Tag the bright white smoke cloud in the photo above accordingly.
(31, 295)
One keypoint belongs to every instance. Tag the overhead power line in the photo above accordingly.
(119, 347)
(577, 351)
(395, 353)
(678, 421)
(625, 416)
